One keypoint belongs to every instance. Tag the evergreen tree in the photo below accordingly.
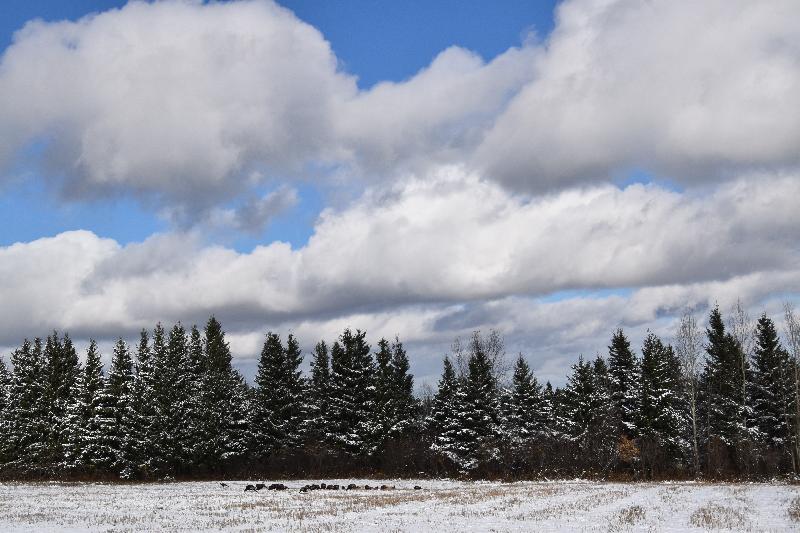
(140, 442)
(405, 406)
(173, 378)
(224, 404)
(296, 410)
(26, 414)
(549, 411)
(61, 370)
(772, 388)
(194, 409)
(384, 409)
(624, 374)
(5, 391)
(119, 398)
(526, 417)
(352, 394)
(480, 433)
(316, 423)
(585, 414)
(277, 410)
(721, 394)
(87, 446)
(662, 424)
(444, 423)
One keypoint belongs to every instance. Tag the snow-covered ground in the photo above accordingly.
(439, 506)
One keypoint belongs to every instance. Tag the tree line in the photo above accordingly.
(718, 404)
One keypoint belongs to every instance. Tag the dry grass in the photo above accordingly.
(626, 518)
(717, 516)
(794, 509)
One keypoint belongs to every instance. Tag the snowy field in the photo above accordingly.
(439, 506)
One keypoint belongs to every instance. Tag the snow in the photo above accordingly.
(440, 505)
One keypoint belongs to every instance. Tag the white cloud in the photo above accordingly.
(183, 101)
(429, 259)
(179, 100)
(692, 90)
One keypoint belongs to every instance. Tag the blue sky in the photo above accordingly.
(377, 41)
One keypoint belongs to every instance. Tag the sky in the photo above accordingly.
(423, 169)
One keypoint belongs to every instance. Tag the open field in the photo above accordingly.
(439, 506)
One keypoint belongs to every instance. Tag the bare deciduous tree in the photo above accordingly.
(688, 346)
(492, 345)
(743, 330)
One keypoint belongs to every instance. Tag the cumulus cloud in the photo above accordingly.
(690, 90)
(428, 259)
(177, 100)
(183, 102)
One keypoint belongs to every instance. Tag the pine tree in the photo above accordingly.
(721, 394)
(662, 423)
(526, 417)
(352, 394)
(160, 429)
(383, 411)
(772, 388)
(86, 445)
(62, 369)
(444, 423)
(585, 414)
(624, 374)
(119, 398)
(172, 380)
(405, 406)
(224, 404)
(316, 423)
(194, 409)
(5, 393)
(278, 408)
(295, 411)
(140, 442)
(26, 414)
(479, 438)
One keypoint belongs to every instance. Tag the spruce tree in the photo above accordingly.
(278, 407)
(173, 398)
(352, 394)
(384, 409)
(119, 398)
(5, 391)
(316, 423)
(140, 441)
(772, 388)
(162, 428)
(479, 438)
(624, 374)
(87, 447)
(296, 409)
(585, 414)
(526, 417)
(62, 369)
(720, 385)
(26, 415)
(193, 416)
(405, 406)
(444, 423)
(662, 423)
(224, 404)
